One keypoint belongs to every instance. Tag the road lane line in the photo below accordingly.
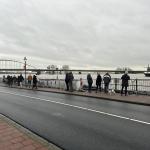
(79, 107)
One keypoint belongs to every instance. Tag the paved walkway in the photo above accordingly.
(15, 137)
(136, 99)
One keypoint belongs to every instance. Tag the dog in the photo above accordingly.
(111, 92)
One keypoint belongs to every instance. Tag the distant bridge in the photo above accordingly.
(8, 66)
(13, 64)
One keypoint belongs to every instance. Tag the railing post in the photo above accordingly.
(47, 83)
(116, 81)
(136, 85)
(59, 84)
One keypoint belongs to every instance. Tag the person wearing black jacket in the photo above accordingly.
(70, 79)
(106, 79)
(20, 80)
(125, 78)
(34, 82)
(67, 81)
(90, 82)
(98, 82)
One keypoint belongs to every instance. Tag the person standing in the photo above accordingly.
(34, 82)
(81, 85)
(125, 82)
(29, 80)
(20, 79)
(14, 80)
(11, 81)
(106, 79)
(67, 81)
(90, 82)
(8, 80)
(4, 78)
(98, 82)
(70, 77)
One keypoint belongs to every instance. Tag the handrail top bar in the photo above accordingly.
(75, 70)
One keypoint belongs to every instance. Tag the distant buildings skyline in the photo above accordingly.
(8, 64)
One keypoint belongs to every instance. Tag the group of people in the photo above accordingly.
(13, 80)
(32, 81)
(106, 80)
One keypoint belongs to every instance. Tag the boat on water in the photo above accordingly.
(147, 73)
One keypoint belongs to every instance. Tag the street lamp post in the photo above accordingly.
(25, 68)
(57, 73)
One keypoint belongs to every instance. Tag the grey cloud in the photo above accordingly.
(76, 32)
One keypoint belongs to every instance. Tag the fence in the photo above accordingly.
(135, 85)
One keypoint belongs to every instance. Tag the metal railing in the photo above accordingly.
(135, 85)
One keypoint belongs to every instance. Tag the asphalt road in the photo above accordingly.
(79, 123)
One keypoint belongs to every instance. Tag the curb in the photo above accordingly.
(97, 97)
(29, 133)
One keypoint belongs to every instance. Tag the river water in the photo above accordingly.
(83, 76)
(94, 75)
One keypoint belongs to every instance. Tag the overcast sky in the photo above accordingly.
(92, 34)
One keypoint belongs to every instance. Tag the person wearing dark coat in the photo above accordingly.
(4, 79)
(34, 82)
(14, 79)
(20, 80)
(70, 81)
(90, 82)
(67, 81)
(9, 80)
(98, 82)
(106, 79)
(125, 82)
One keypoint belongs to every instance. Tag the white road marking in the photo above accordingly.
(79, 107)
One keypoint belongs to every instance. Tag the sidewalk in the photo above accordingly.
(135, 99)
(15, 137)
